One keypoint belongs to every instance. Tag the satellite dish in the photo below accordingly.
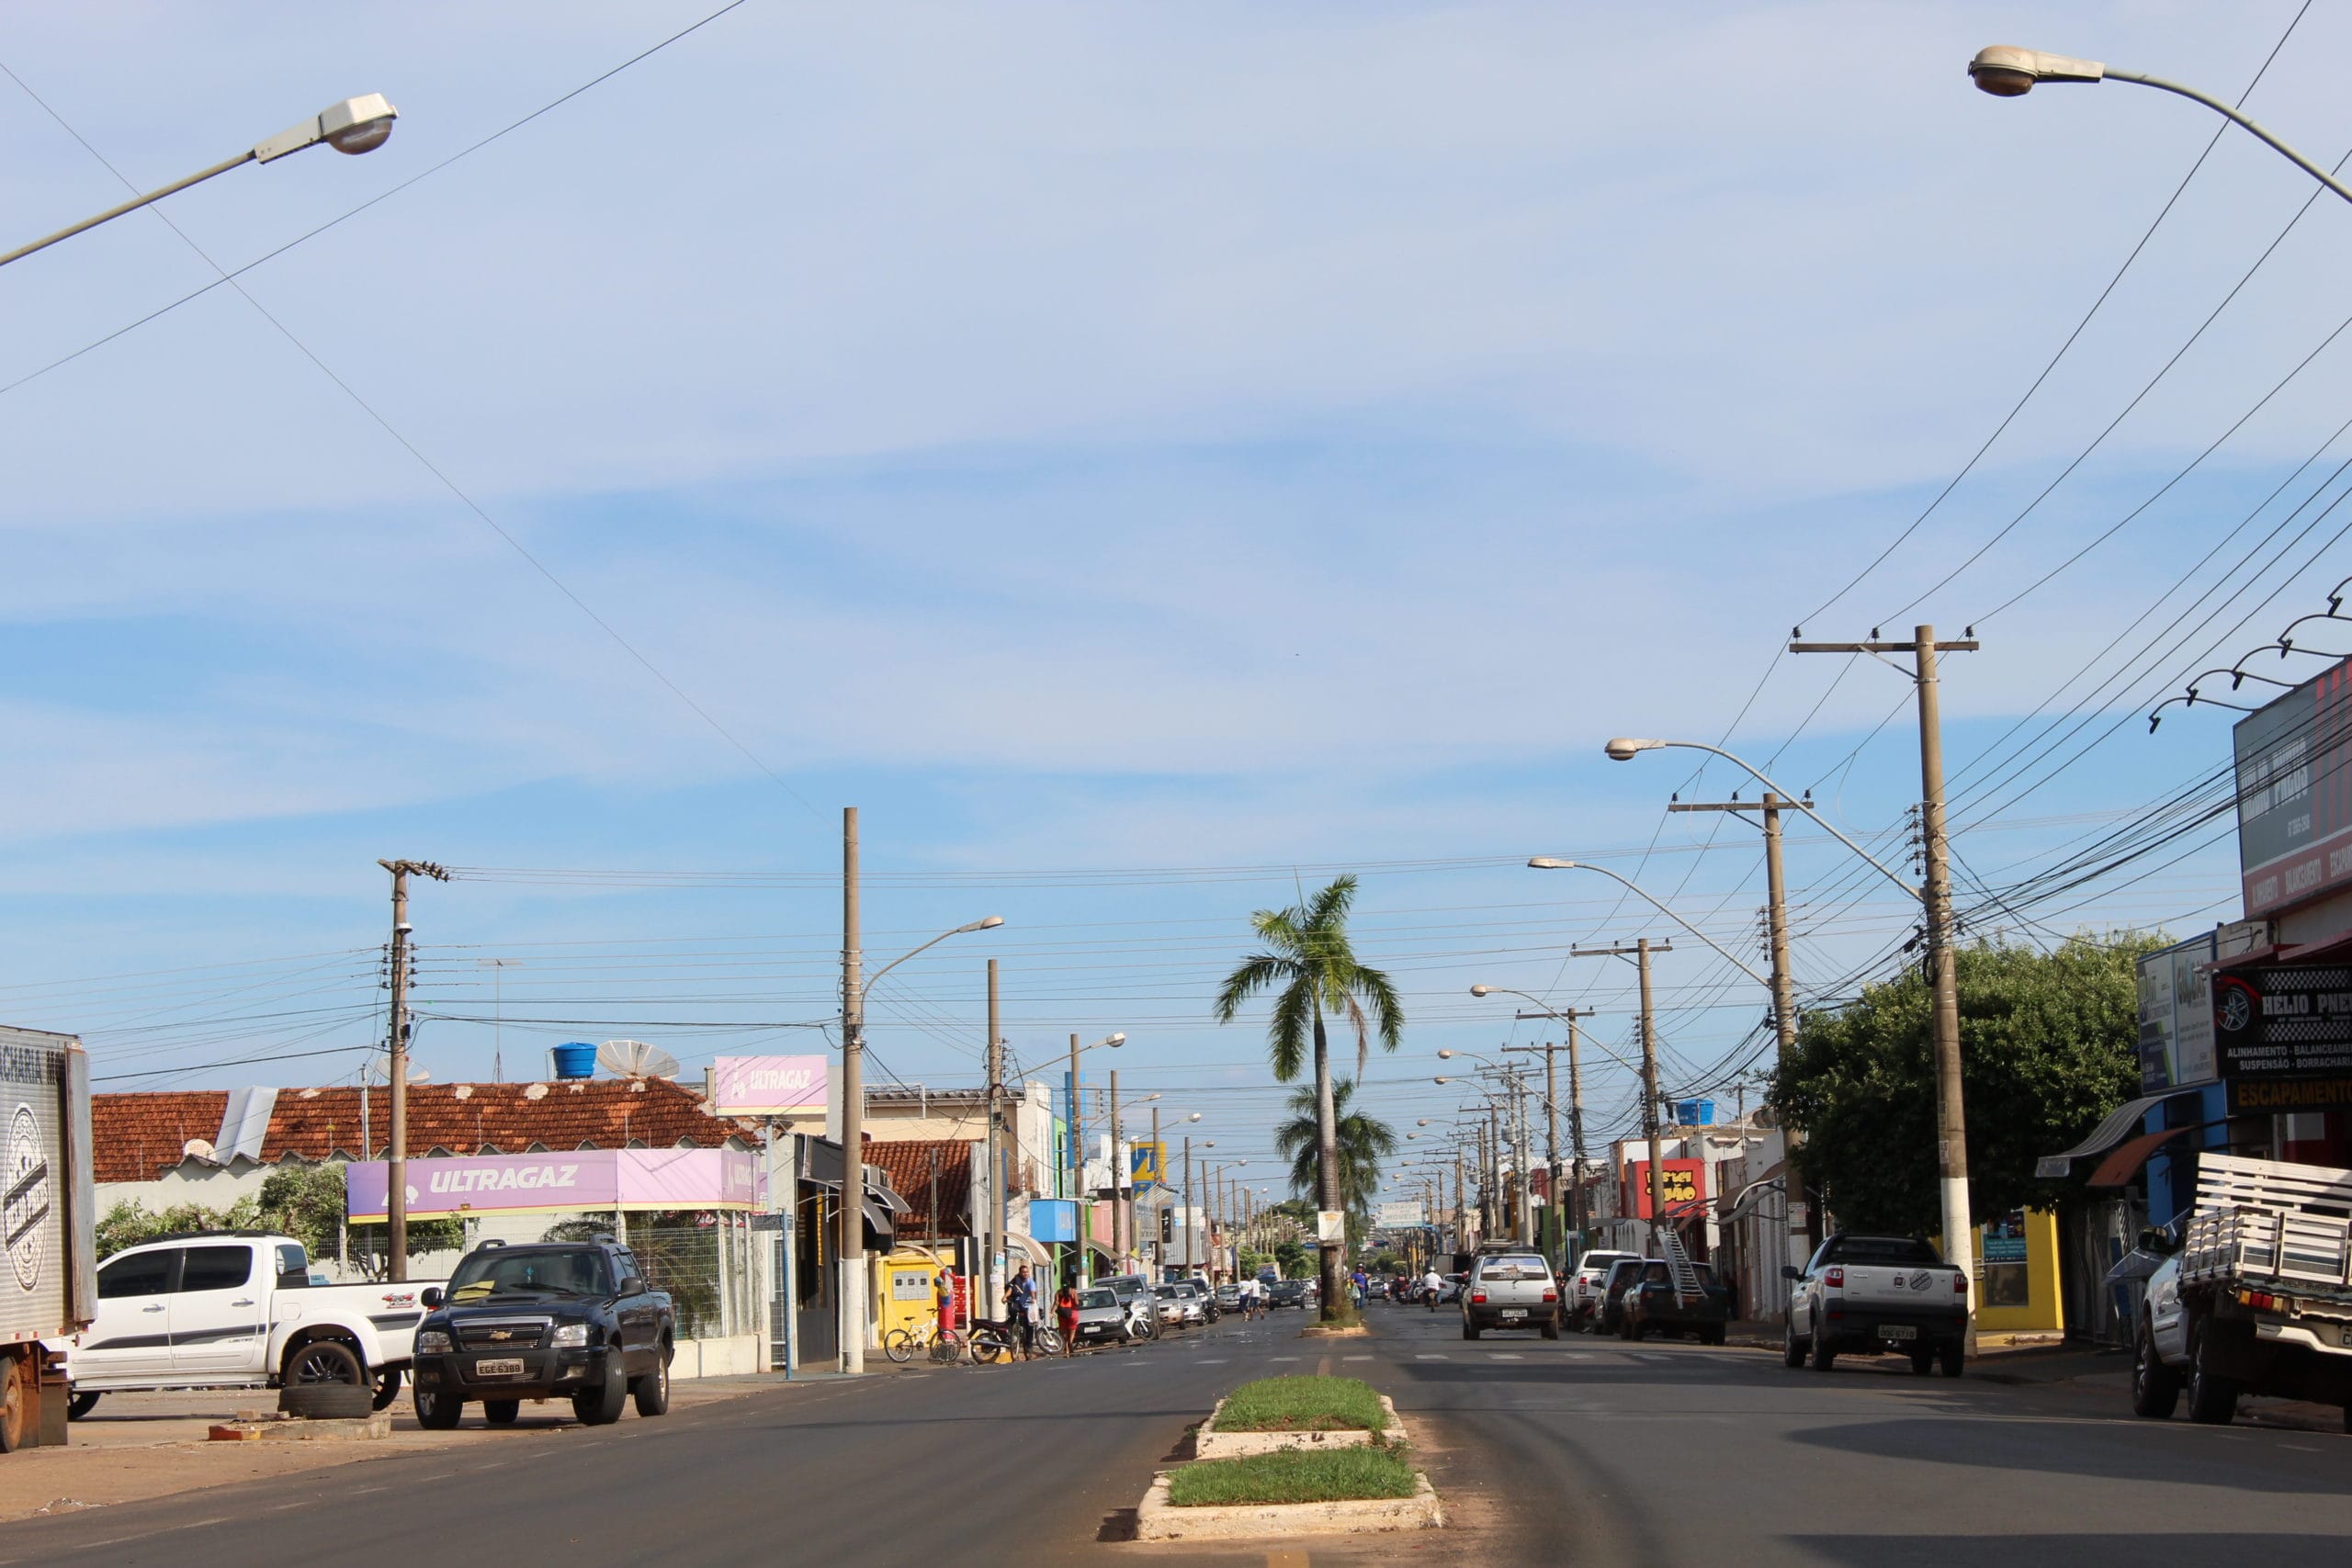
(380, 1069)
(635, 1059)
(535, 1091)
(195, 1148)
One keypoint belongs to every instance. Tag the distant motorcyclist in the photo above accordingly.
(1432, 1283)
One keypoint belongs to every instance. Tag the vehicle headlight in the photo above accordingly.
(431, 1342)
(571, 1337)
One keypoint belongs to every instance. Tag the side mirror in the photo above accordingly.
(632, 1286)
(431, 1296)
(1791, 1271)
(2158, 1241)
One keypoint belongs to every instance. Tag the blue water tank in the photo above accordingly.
(575, 1059)
(1694, 1112)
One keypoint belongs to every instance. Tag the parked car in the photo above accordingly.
(1229, 1297)
(2252, 1298)
(1864, 1294)
(554, 1320)
(1103, 1318)
(1581, 1291)
(1286, 1294)
(1608, 1317)
(1451, 1290)
(1179, 1306)
(236, 1309)
(1511, 1290)
(1653, 1305)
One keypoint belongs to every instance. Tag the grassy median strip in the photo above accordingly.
(1303, 1404)
(1320, 1475)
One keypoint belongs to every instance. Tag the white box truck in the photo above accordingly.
(48, 1273)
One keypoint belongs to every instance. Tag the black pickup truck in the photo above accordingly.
(554, 1320)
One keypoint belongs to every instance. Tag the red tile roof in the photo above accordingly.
(908, 1164)
(138, 1136)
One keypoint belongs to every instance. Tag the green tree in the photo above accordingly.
(1311, 971)
(309, 1202)
(2049, 1044)
(1362, 1141)
(128, 1223)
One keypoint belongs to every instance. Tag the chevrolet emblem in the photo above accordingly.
(500, 1334)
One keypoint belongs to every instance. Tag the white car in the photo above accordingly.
(1581, 1291)
(1864, 1294)
(239, 1311)
(1181, 1305)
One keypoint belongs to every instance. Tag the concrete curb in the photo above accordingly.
(1210, 1443)
(1157, 1519)
(289, 1430)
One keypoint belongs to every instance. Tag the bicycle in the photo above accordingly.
(944, 1348)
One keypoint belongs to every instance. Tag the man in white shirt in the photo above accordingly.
(1432, 1283)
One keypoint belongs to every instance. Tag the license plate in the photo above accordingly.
(1897, 1331)
(1510, 1312)
(499, 1367)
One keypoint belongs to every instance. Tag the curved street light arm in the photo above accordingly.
(1787, 799)
(872, 979)
(1543, 863)
(2228, 113)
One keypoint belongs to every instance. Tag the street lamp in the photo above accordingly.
(2008, 72)
(851, 1237)
(354, 126)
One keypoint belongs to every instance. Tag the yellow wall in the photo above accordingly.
(2044, 1312)
(889, 1311)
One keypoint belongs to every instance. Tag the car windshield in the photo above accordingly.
(1165, 1292)
(1098, 1298)
(1509, 1268)
(502, 1272)
(1893, 1250)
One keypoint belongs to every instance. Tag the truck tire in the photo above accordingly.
(1792, 1348)
(388, 1387)
(2212, 1398)
(501, 1411)
(1923, 1362)
(1951, 1357)
(651, 1392)
(435, 1411)
(15, 1404)
(323, 1381)
(601, 1406)
(2156, 1388)
(1823, 1356)
(81, 1405)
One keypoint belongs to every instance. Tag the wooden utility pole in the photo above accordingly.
(1642, 951)
(1572, 1206)
(1121, 1234)
(1081, 1209)
(1943, 959)
(396, 1048)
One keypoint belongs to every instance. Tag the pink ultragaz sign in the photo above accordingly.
(768, 1085)
(557, 1183)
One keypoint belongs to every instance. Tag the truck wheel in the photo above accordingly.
(1792, 1348)
(1951, 1357)
(1824, 1358)
(501, 1411)
(81, 1405)
(652, 1390)
(387, 1388)
(1922, 1362)
(16, 1409)
(2212, 1398)
(324, 1381)
(601, 1406)
(2156, 1388)
(435, 1411)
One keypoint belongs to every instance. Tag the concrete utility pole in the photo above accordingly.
(1461, 1199)
(849, 1245)
(1121, 1234)
(1160, 1164)
(1184, 1214)
(1080, 1206)
(1943, 959)
(396, 1157)
(1000, 1242)
(1784, 1007)
(1573, 1205)
(1642, 951)
(1526, 1163)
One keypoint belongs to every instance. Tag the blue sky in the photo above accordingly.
(1093, 439)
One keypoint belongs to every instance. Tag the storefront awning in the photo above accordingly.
(2125, 1161)
(2112, 1131)
(1037, 1252)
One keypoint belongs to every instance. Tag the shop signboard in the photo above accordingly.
(1394, 1215)
(1681, 1181)
(2294, 1022)
(2176, 1016)
(768, 1085)
(2294, 788)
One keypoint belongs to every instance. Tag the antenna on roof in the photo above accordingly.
(635, 1059)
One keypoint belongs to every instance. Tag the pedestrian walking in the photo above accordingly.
(1066, 1318)
(1020, 1298)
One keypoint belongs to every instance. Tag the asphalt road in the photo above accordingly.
(1585, 1451)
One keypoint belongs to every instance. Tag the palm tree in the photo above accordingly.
(1312, 973)
(1363, 1142)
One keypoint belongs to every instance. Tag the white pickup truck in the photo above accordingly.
(1865, 1295)
(2257, 1296)
(241, 1311)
